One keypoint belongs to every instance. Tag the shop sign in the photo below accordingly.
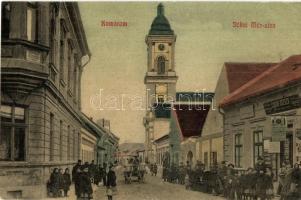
(274, 147)
(283, 104)
(271, 147)
(279, 129)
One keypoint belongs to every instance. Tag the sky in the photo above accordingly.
(113, 81)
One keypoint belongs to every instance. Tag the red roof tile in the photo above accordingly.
(191, 120)
(240, 73)
(282, 74)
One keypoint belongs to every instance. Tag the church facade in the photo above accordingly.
(160, 81)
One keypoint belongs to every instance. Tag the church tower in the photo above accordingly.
(160, 81)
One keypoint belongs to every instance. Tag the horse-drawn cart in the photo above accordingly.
(134, 171)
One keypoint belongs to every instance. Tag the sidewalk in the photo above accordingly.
(71, 193)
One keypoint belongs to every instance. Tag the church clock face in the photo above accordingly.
(161, 47)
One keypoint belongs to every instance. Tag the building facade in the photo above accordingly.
(102, 145)
(162, 149)
(253, 111)
(232, 76)
(187, 120)
(160, 81)
(43, 53)
(88, 148)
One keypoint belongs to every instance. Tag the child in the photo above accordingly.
(67, 182)
(187, 182)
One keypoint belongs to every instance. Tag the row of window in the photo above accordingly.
(257, 146)
(73, 143)
(68, 61)
(13, 136)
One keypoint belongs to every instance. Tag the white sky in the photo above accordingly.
(205, 40)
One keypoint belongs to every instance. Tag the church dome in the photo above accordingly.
(160, 25)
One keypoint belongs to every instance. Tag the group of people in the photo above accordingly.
(290, 182)
(83, 177)
(153, 169)
(232, 183)
(59, 183)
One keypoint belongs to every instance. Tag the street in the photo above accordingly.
(153, 189)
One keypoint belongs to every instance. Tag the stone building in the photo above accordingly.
(188, 116)
(98, 142)
(160, 81)
(250, 113)
(43, 53)
(232, 76)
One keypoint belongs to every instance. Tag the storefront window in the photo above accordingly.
(258, 145)
(238, 150)
(12, 135)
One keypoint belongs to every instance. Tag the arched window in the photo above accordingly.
(161, 65)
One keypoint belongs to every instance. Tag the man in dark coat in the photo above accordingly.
(86, 185)
(74, 169)
(77, 179)
(92, 170)
(295, 187)
(55, 182)
(111, 183)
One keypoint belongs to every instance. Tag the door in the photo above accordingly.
(286, 150)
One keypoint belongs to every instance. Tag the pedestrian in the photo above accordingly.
(61, 182)
(54, 182)
(238, 186)
(76, 180)
(181, 174)
(246, 183)
(111, 183)
(230, 183)
(295, 186)
(187, 182)
(86, 185)
(67, 182)
(261, 184)
(74, 169)
(92, 171)
(104, 176)
(281, 175)
(269, 184)
(98, 177)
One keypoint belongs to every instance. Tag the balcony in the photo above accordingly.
(22, 67)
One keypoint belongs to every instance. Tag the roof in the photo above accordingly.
(240, 73)
(164, 137)
(160, 25)
(78, 26)
(191, 118)
(280, 75)
(97, 130)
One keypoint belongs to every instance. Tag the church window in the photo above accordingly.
(161, 65)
